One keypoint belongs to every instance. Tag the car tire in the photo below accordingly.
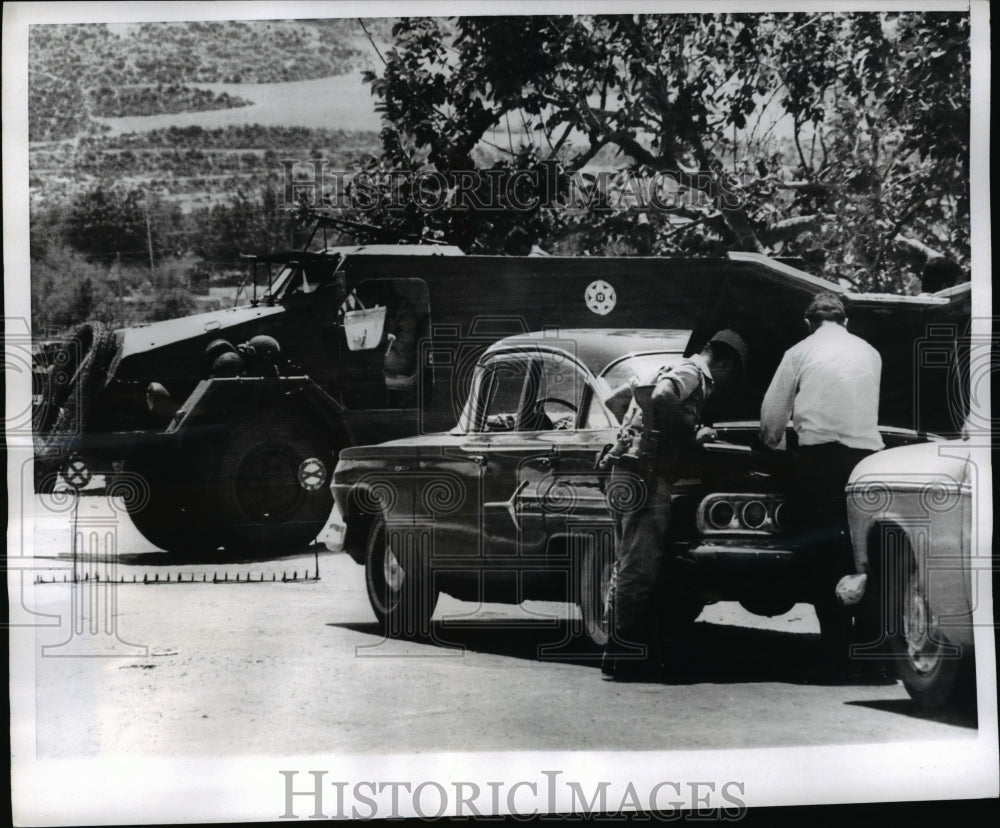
(934, 672)
(266, 488)
(399, 586)
(595, 584)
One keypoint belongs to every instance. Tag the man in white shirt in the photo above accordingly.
(828, 384)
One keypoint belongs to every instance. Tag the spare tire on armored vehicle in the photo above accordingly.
(69, 375)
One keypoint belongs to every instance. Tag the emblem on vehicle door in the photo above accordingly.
(600, 297)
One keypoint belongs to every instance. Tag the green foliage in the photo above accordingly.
(109, 223)
(845, 130)
(66, 289)
(106, 222)
(165, 294)
(91, 260)
(245, 224)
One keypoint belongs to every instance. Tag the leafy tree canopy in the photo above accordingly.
(839, 138)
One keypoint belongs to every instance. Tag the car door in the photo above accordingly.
(481, 526)
(572, 500)
(513, 457)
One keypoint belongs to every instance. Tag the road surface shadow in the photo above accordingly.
(714, 653)
(962, 716)
(554, 642)
(218, 556)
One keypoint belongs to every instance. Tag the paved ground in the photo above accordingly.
(295, 664)
(264, 660)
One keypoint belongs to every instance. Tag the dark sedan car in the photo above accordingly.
(507, 506)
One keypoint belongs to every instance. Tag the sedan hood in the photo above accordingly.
(916, 465)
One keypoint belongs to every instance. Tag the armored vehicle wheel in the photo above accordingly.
(399, 587)
(267, 488)
(167, 513)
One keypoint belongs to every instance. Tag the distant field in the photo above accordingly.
(187, 164)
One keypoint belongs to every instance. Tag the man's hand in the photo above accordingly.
(706, 434)
(619, 401)
(779, 445)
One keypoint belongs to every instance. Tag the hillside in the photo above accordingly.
(81, 71)
(157, 154)
(137, 105)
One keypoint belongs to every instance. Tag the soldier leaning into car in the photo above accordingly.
(660, 426)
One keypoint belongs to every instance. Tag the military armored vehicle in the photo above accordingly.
(229, 423)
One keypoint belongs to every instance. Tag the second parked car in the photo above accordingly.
(915, 548)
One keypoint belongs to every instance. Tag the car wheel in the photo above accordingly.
(595, 592)
(934, 672)
(267, 487)
(399, 586)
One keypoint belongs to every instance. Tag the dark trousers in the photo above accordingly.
(821, 473)
(641, 509)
